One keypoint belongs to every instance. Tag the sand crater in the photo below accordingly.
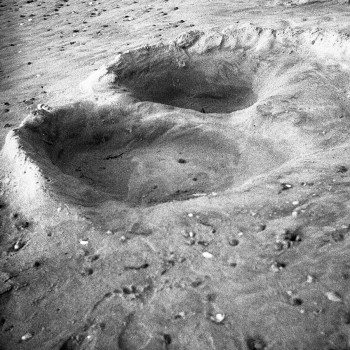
(129, 149)
(140, 158)
(207, 83)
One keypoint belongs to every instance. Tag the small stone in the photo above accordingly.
(286, 186)
(295, 202)
(218, 318)
(44, 107)
(84, 241)
(207, 255)
(296, 301)
(277, 266)
(333, 296)
(123, 239)
(181, 314)
(109, 232)
(341, 169)
(294, 214)
(26, 336)
(262, 227)
(190, 215)
(191, 241)
(233, 242)
(18, 245)
(278, 246)
(255, 344)
(310, 279)
(232, 262)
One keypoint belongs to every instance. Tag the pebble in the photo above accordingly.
(27, 336)
(181, 314)
(233, 242)
(333, 296)
(190, 215)
(207, 255)
(43, 107)
(218, 318)
(295, 202)
(285, 186)
(18, 245)
(232, 262)
(310, 279)
(276, 267)
(84, 241)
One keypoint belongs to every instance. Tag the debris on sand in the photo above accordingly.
(333, 296)
(277, 266)
(285, 186)
(218, 318)
(207, 255)
(233, 242)
(18, 245)
(27, 336)
(310, 279)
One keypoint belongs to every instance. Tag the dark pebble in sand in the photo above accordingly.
(233, 242)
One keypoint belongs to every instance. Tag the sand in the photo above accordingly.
(175, 175)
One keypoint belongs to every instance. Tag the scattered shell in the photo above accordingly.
(333, 296)
(207, 255)
(218, 318)
(26, 336)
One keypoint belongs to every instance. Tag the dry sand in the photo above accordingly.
(175, 175)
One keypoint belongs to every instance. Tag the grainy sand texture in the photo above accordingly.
(174, 175)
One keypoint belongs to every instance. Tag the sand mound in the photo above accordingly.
(144, 153)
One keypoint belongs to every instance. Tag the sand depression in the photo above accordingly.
(206, 113)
